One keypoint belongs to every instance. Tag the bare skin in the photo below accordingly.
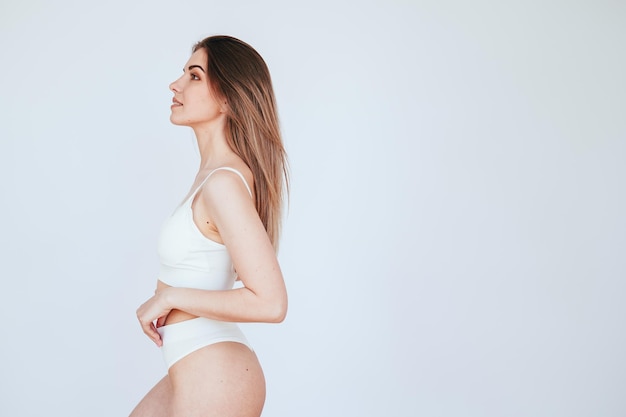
(222, 379)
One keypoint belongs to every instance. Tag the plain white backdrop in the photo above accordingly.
(456, 239)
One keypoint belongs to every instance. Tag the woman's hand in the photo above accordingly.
(154, 309)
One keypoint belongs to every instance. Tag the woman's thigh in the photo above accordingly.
(156, 403)
(224, 379)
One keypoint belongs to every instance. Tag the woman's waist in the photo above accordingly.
(177, 316)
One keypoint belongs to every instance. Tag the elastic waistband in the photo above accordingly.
(198, 326)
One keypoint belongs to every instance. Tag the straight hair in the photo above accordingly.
(239, 75)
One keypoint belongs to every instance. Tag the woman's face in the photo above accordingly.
(194, 103)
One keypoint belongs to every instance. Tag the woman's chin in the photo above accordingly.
(176, 121)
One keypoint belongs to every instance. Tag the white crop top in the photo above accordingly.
(188, 258)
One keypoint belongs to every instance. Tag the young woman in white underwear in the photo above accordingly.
(227, 228)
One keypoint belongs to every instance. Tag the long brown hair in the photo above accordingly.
(238, 74)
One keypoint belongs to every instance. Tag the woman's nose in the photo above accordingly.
(174, 87)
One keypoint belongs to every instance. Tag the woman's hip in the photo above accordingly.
(223, 378)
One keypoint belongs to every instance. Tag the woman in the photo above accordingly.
(226, 229)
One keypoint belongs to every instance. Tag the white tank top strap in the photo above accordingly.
(231, 170)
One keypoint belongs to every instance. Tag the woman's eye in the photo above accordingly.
(194, 77)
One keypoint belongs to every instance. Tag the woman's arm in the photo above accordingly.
(263, 297)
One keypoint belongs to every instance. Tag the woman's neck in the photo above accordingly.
(212, 146)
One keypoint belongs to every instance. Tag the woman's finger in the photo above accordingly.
(150, 330)
(156, 337)
(152, 315)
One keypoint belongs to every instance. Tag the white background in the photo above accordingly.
(456, 238)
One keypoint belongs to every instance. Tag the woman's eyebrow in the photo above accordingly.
(194, 66)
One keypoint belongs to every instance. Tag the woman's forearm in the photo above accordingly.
(236, 305)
